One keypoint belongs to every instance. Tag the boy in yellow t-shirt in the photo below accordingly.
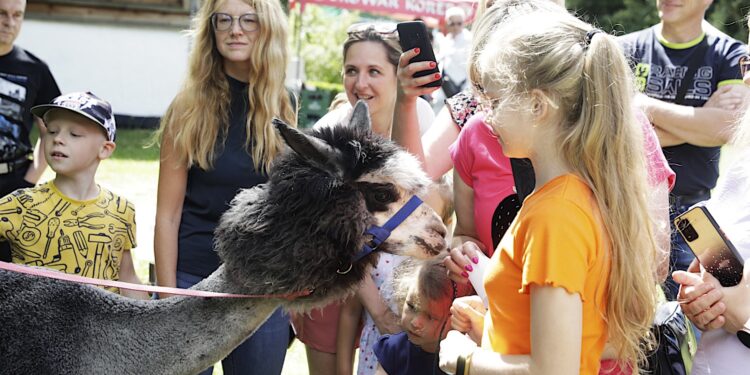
(71, 224)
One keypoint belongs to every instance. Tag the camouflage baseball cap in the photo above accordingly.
(86, 104)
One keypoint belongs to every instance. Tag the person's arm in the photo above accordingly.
(349, 318)
(431, 148)
(169, 199)
(463, 202)
(128, 275)
(405, 121)
(39, 163)
(385, 320)
(556, 325)
(737, 302)
(703, 126)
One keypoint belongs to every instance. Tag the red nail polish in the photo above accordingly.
(432, 65)
(469, 268)
(437, 75)
(475, 260)
(416, 50)
(464, 274)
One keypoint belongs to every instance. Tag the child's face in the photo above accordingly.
(422, 319)
(73, 144)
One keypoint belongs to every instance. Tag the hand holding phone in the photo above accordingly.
(714, 251)
(412, 35)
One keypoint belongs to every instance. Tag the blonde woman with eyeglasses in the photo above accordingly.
(217, 138)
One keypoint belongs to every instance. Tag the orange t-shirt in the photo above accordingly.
(557, 239)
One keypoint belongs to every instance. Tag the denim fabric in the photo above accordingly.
(263, 352)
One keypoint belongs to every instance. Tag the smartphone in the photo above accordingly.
(709, 244)
(413, 34)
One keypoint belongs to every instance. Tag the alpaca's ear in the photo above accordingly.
(311, 148)
(360, 116)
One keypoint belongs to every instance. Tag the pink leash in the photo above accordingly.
(143, 288)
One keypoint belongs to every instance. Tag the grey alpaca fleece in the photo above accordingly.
(290, 234)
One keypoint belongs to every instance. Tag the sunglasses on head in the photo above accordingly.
(386, 29)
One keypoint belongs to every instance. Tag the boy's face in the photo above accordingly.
(422, 320)
(74, 143)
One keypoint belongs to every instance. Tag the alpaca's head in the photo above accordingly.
(309, 220)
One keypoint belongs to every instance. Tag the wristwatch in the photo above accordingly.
(744, 334)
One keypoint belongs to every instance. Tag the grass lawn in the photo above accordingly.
(132, 172)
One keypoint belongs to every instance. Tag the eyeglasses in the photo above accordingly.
(385, 29)
(744, 64)
(224, 22)
(460, 23)
(486, 104)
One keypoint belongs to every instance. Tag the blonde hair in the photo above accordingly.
(199, 114)
(588, 80)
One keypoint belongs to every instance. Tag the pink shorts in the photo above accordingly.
(611, 367)
(318, 329)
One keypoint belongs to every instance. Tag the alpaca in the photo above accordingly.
(301, 230)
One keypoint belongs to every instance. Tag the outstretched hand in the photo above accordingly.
(461, 261)
(737, 301)
(409, 86)
(467, 316)
(700, 297)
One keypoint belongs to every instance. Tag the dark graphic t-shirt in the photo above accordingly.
(660, 69)
(25, 81)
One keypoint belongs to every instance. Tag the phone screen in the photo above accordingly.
(713, 250)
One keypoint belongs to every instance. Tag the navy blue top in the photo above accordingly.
(209, 193)
(660, 68)
(398, 356)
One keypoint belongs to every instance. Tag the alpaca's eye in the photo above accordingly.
(378, 196)
(382, 196)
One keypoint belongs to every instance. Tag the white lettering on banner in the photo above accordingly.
(393, 4)
(334, 2)
(434, 8)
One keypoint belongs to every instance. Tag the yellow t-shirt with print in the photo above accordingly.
(46, 228)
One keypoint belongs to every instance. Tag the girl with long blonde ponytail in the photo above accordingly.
(577, 268)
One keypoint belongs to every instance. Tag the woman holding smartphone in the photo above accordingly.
(723, 313)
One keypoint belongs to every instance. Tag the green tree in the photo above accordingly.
(625, 16)
(321, 40)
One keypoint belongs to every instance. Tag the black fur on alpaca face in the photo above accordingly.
(306, 223)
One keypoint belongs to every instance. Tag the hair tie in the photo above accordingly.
(590, 35)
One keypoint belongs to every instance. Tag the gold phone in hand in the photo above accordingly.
(709, 244)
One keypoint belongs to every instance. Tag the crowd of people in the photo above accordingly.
(572, 151)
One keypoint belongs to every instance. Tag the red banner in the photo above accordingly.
(418, 8)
